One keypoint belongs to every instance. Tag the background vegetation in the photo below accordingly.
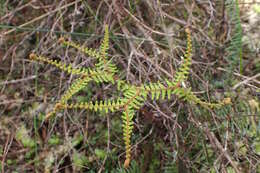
(147, 44)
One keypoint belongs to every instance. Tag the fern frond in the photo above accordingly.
(89, 51)
(58, 64)
(103, 62)
(121, 84)
(235, 46)
(133, 99)
(95, 75)
(188, 95)
(106, 105)
(159, 90)
(183, 71)
(127, 125)
(77, 86)
(105, 44)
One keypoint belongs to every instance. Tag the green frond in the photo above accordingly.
(105, 44)
(182, 73)
(80, 84)
(101, 55)
(60, 65)
(89, 51)
(96, 75)
(234, 48)
(158, 90)
(103, 62)
(106, 105)
(127, 125)
(188, 95)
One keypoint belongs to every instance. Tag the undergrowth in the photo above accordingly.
(148, 97)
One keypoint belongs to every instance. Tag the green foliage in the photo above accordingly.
(133, 97)
(54, 140)
(171, 165)
(256, 8)
(101, 154)
(76, 140)
(23, 136)
(79, 160)
(234, 48)
(133, 168)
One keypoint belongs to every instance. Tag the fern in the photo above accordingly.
(133, 97)
(235, 46)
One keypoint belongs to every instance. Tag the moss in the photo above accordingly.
(22, 135)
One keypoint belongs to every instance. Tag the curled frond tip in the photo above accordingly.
(126, 163)
(61, 40)
(32, 56)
